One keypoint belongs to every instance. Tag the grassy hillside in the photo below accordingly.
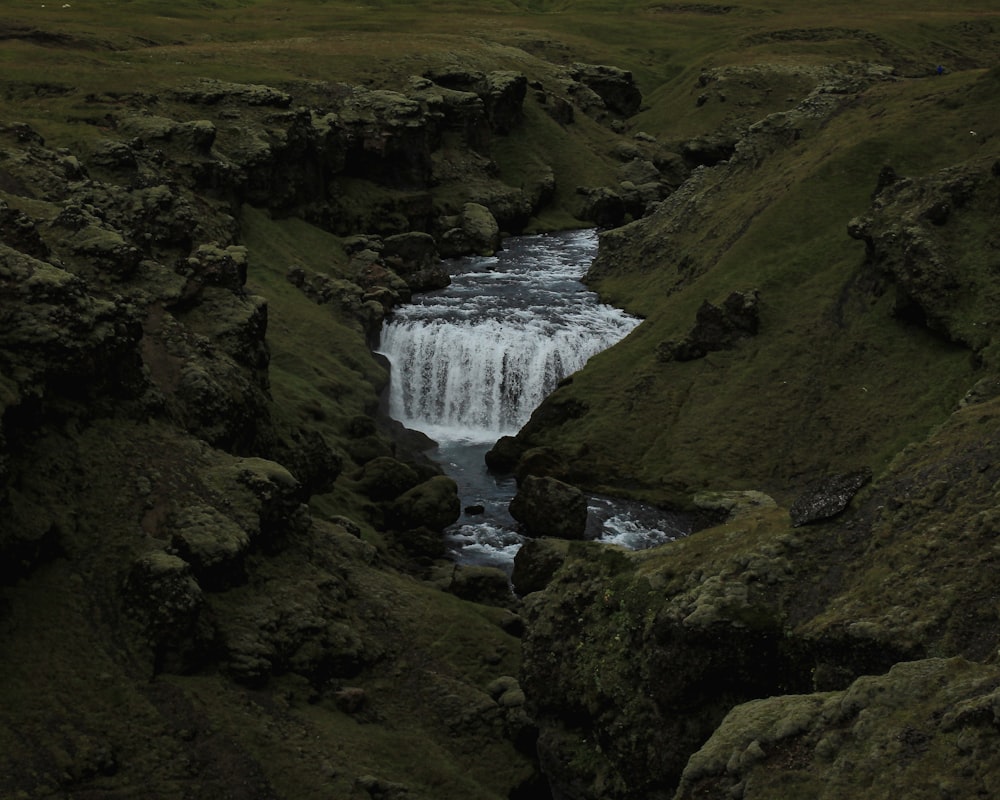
(863, 347)
(834, 379)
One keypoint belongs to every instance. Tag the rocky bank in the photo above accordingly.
(220, 566)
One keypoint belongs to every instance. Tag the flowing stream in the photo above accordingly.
(469, 364)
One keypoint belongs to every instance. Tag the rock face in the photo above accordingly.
(843, 742)
(716, 328)
(615, 87)
(908, 236)
(829, 497)
(676, 639)
(223, 554)
(549, 507)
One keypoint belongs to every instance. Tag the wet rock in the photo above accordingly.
(504, 454)
(549, 507)
(828, 497)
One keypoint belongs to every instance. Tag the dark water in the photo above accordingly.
(472, 361)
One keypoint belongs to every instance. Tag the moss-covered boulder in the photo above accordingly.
(549, 507)
(433, 504)
(212, 543)
(162, 597)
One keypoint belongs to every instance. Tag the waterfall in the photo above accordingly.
(474, 360)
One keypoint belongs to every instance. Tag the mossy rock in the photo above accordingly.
(432, 504)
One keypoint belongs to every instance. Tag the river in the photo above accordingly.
(470, 363)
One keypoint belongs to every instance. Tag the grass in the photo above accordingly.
(831, 382)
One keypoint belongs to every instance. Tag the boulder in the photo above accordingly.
(212, 543)
(616, 87)
(414, 257)
(432, 504)
(384, 478)
(535, 563)
(163, 597)
(716, 328)
(828, 496)
(601, 205)
(485, 585)
(477, 232)
(504, 454)
(549, 507)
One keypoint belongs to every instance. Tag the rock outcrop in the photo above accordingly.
(549, 507)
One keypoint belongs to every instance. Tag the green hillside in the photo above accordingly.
(221, 565)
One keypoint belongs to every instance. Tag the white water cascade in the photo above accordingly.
(474, 360)
(470, 363)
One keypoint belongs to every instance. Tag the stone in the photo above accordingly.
(212, 543)
(828, 497)
(616, 87)
(162, 595)
(602, 206)
(433, 504)
(504, 454)
(548, 507)
(384, 478)
(535, 563)
(716, 328)
(707, 151)
(485, 585)
(350, 699)
(480, 229)
(503, 98)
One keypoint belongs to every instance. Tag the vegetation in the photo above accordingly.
(331, 663)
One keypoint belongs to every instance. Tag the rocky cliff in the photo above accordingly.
(220, 566)
(833, 636)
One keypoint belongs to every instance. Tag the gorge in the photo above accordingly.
(225, 571)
